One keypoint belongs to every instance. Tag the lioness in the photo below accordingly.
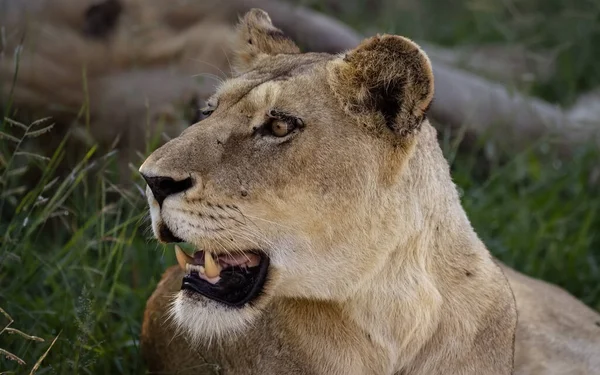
(330, 237)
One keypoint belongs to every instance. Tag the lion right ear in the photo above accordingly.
(385, 82)
(258, 38)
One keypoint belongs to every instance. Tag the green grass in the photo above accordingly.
(77, 260)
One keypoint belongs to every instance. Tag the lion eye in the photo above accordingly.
(205, 113)
(282, 124)
(281, 128)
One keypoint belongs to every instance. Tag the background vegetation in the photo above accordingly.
(77, 261)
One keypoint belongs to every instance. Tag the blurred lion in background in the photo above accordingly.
(116, 72)
(120, 72)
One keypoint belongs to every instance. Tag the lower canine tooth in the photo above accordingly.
(211, 268)
(183, 258)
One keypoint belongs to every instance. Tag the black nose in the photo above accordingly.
(162, 187)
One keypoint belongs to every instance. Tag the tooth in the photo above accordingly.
(183, 258)
(211, 268)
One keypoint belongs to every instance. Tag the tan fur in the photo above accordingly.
(375, 268)
(258, 38)
(556, 333)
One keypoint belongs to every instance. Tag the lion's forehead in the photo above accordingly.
(263, 92)
(264, 84)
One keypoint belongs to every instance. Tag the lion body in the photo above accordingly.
(328, 166)
(306, 336)
(556, 335)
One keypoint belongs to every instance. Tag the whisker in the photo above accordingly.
(227, 57)
(225, 250)
(245, 236)
(209, 75)
(237, 209)
(234, 242)
(258, 236)
(246, 218)
(225, 76)
(270, 222)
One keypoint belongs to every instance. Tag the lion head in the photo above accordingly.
(293, 184)
(127, 70)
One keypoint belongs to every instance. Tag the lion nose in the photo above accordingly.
(162, 187)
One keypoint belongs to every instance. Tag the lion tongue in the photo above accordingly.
(243, 260)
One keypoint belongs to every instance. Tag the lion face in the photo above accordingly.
(286, 188)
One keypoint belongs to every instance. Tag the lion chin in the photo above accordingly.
(203, 320)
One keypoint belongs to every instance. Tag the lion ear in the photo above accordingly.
(387, 81)
(258, 38)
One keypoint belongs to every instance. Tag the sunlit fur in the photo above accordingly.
(375, 268)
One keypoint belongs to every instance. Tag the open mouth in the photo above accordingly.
(232, 279)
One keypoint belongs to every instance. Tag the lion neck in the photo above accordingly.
(420, 288)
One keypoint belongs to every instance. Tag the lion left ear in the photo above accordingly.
(258, 38)
(386, 82)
